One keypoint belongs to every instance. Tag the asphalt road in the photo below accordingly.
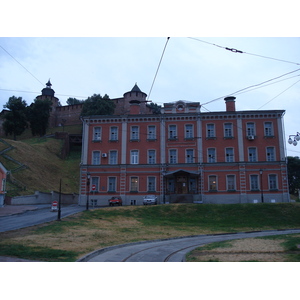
(35, 217)
(172, 250)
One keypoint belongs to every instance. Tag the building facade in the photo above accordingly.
(183, 155)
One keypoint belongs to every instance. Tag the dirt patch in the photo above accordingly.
(250, 249)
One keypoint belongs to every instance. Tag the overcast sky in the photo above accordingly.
(126, 43)
(192, 69)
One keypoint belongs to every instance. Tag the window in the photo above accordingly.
(229, 155)
(254, 182)
(189, 132)
(151, 184)
(134, 184)
(211, 155)
(112, 184)
(228, 133)
(250, 129)
(173, 156)
(113, 157)
(270, 154)
(172, 132)
(230, 181)
(95, 182)
(273, 182)
(212, 183)
(97, 134)
(210, 131)
(151, 157)
(134, 133)
(113, 133)
(252, 154)
(151, 132)
(189, 156)
(268, 129)
(134, 157)
(96, 157)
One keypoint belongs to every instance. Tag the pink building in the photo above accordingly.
(183, 154)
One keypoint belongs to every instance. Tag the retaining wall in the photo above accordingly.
(44, 198)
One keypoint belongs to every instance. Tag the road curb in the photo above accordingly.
(90, 255)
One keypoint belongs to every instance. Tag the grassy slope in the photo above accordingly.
(45, 168)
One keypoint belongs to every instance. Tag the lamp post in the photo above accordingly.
(296, 139)
(261, 186)
(88, 190)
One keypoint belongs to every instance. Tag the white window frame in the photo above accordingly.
(189, 131)
(252, 155)
(151, 132)
(211, 155)
(113, 133)
(134, 186)
(151, 183)
(172, 132)
(96, 158)
(230, 182)
(229, 157)
(134, 157)
(97, 133)
(210, 130)
(173, 156)
(189, 156)
(113, 157)
(151, 156)
(112, 181)
(134, 133)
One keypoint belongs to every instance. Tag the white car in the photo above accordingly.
(150, 199)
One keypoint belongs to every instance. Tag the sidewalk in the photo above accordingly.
(9, 210)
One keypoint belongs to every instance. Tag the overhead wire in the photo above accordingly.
(243, 52)
(158, 67)
(251, 86)
(21, 65)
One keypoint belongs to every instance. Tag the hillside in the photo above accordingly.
(36, 166)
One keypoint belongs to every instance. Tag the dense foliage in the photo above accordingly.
(293, 174)
(15, 119)
(98, 105)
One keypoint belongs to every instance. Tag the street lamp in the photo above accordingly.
(296, 139)
(88, 190)
(261, 186)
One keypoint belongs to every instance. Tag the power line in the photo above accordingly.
(158, 66)
(21, 65)
(251, 86)
(279, 94)
(243, 52)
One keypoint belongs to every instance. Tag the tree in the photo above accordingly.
(155, 108)
(73, 101)
(98, 105)
(15, 119)
(38, 114)
(293, 174)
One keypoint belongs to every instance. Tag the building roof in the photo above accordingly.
(136, 89)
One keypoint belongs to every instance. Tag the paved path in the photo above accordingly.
(171, 250)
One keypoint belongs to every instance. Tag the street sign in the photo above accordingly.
(54, 205)
(93, 187)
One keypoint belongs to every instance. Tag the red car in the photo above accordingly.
(115, 200)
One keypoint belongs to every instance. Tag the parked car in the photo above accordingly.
(115, 201)
(150, 199)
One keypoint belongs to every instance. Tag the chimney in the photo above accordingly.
(230, 103)
(135, 108)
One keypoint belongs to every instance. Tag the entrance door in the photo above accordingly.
(181, 185)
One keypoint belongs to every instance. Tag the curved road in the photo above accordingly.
(171, 250)
(35, 217)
